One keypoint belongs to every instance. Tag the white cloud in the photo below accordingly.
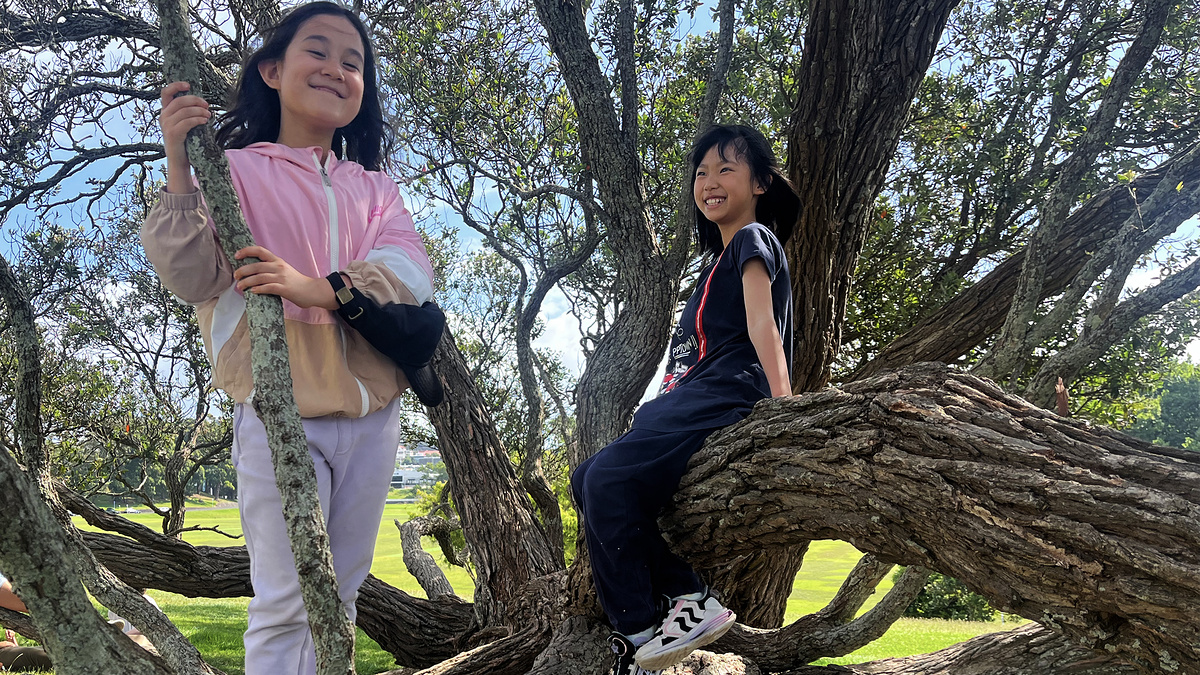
(561, 333)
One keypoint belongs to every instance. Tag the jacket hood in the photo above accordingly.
(301, 157)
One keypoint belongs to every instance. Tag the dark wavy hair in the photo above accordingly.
(254, 116)
(777, 208)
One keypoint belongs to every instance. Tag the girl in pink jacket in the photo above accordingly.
(305, 141)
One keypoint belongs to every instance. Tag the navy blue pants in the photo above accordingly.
(620, 491)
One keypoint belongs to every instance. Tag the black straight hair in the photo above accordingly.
(254, 116)
(778, 207)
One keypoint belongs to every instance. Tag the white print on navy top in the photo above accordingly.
(684, 354)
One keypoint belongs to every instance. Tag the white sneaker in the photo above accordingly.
(690, 624)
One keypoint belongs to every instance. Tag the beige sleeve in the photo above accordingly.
(378, 282)
(183, 249)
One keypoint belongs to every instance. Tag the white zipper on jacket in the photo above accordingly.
(334, 244)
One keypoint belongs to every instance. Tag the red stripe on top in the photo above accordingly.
(700, 310)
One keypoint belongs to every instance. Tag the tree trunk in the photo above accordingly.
(507, 546)
(1086, 530)
(173, 472)
(862, 65)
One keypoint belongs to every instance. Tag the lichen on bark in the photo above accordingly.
(273, 399)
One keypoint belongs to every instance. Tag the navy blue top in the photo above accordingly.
(713, 376)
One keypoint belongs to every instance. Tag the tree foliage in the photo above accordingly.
(945, 597)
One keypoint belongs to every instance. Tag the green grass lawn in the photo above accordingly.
(216, 626)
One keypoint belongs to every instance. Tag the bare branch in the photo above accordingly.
(419, 563)
(1013, 345)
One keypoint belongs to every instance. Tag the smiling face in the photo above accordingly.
(725, 190)
(319, 80)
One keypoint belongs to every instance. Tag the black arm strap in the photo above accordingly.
(350, 300)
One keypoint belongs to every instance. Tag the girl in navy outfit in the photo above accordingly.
(732, 347)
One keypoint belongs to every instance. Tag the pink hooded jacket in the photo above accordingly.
(319, 218)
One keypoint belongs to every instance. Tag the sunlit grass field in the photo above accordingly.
(215, 626)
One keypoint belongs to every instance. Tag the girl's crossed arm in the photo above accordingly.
(274, 276)
(760, 322)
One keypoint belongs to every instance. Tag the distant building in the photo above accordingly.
(419, 455)
(407, 476)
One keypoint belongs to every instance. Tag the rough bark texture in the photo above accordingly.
(578, 645)
(419, 563)
(274, 401)
(756, 586)
(862, 65)
(970, 317)
(512, 655)
(1086, 530)
(506, 545)
(38, 557)
(19, 623)
(1024, 651)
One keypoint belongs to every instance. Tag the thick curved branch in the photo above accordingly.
(1091, 532)
(859, 585)
(824, 633)
(38, 556)
(73, 26)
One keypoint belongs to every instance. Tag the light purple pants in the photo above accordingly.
(354, 460)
